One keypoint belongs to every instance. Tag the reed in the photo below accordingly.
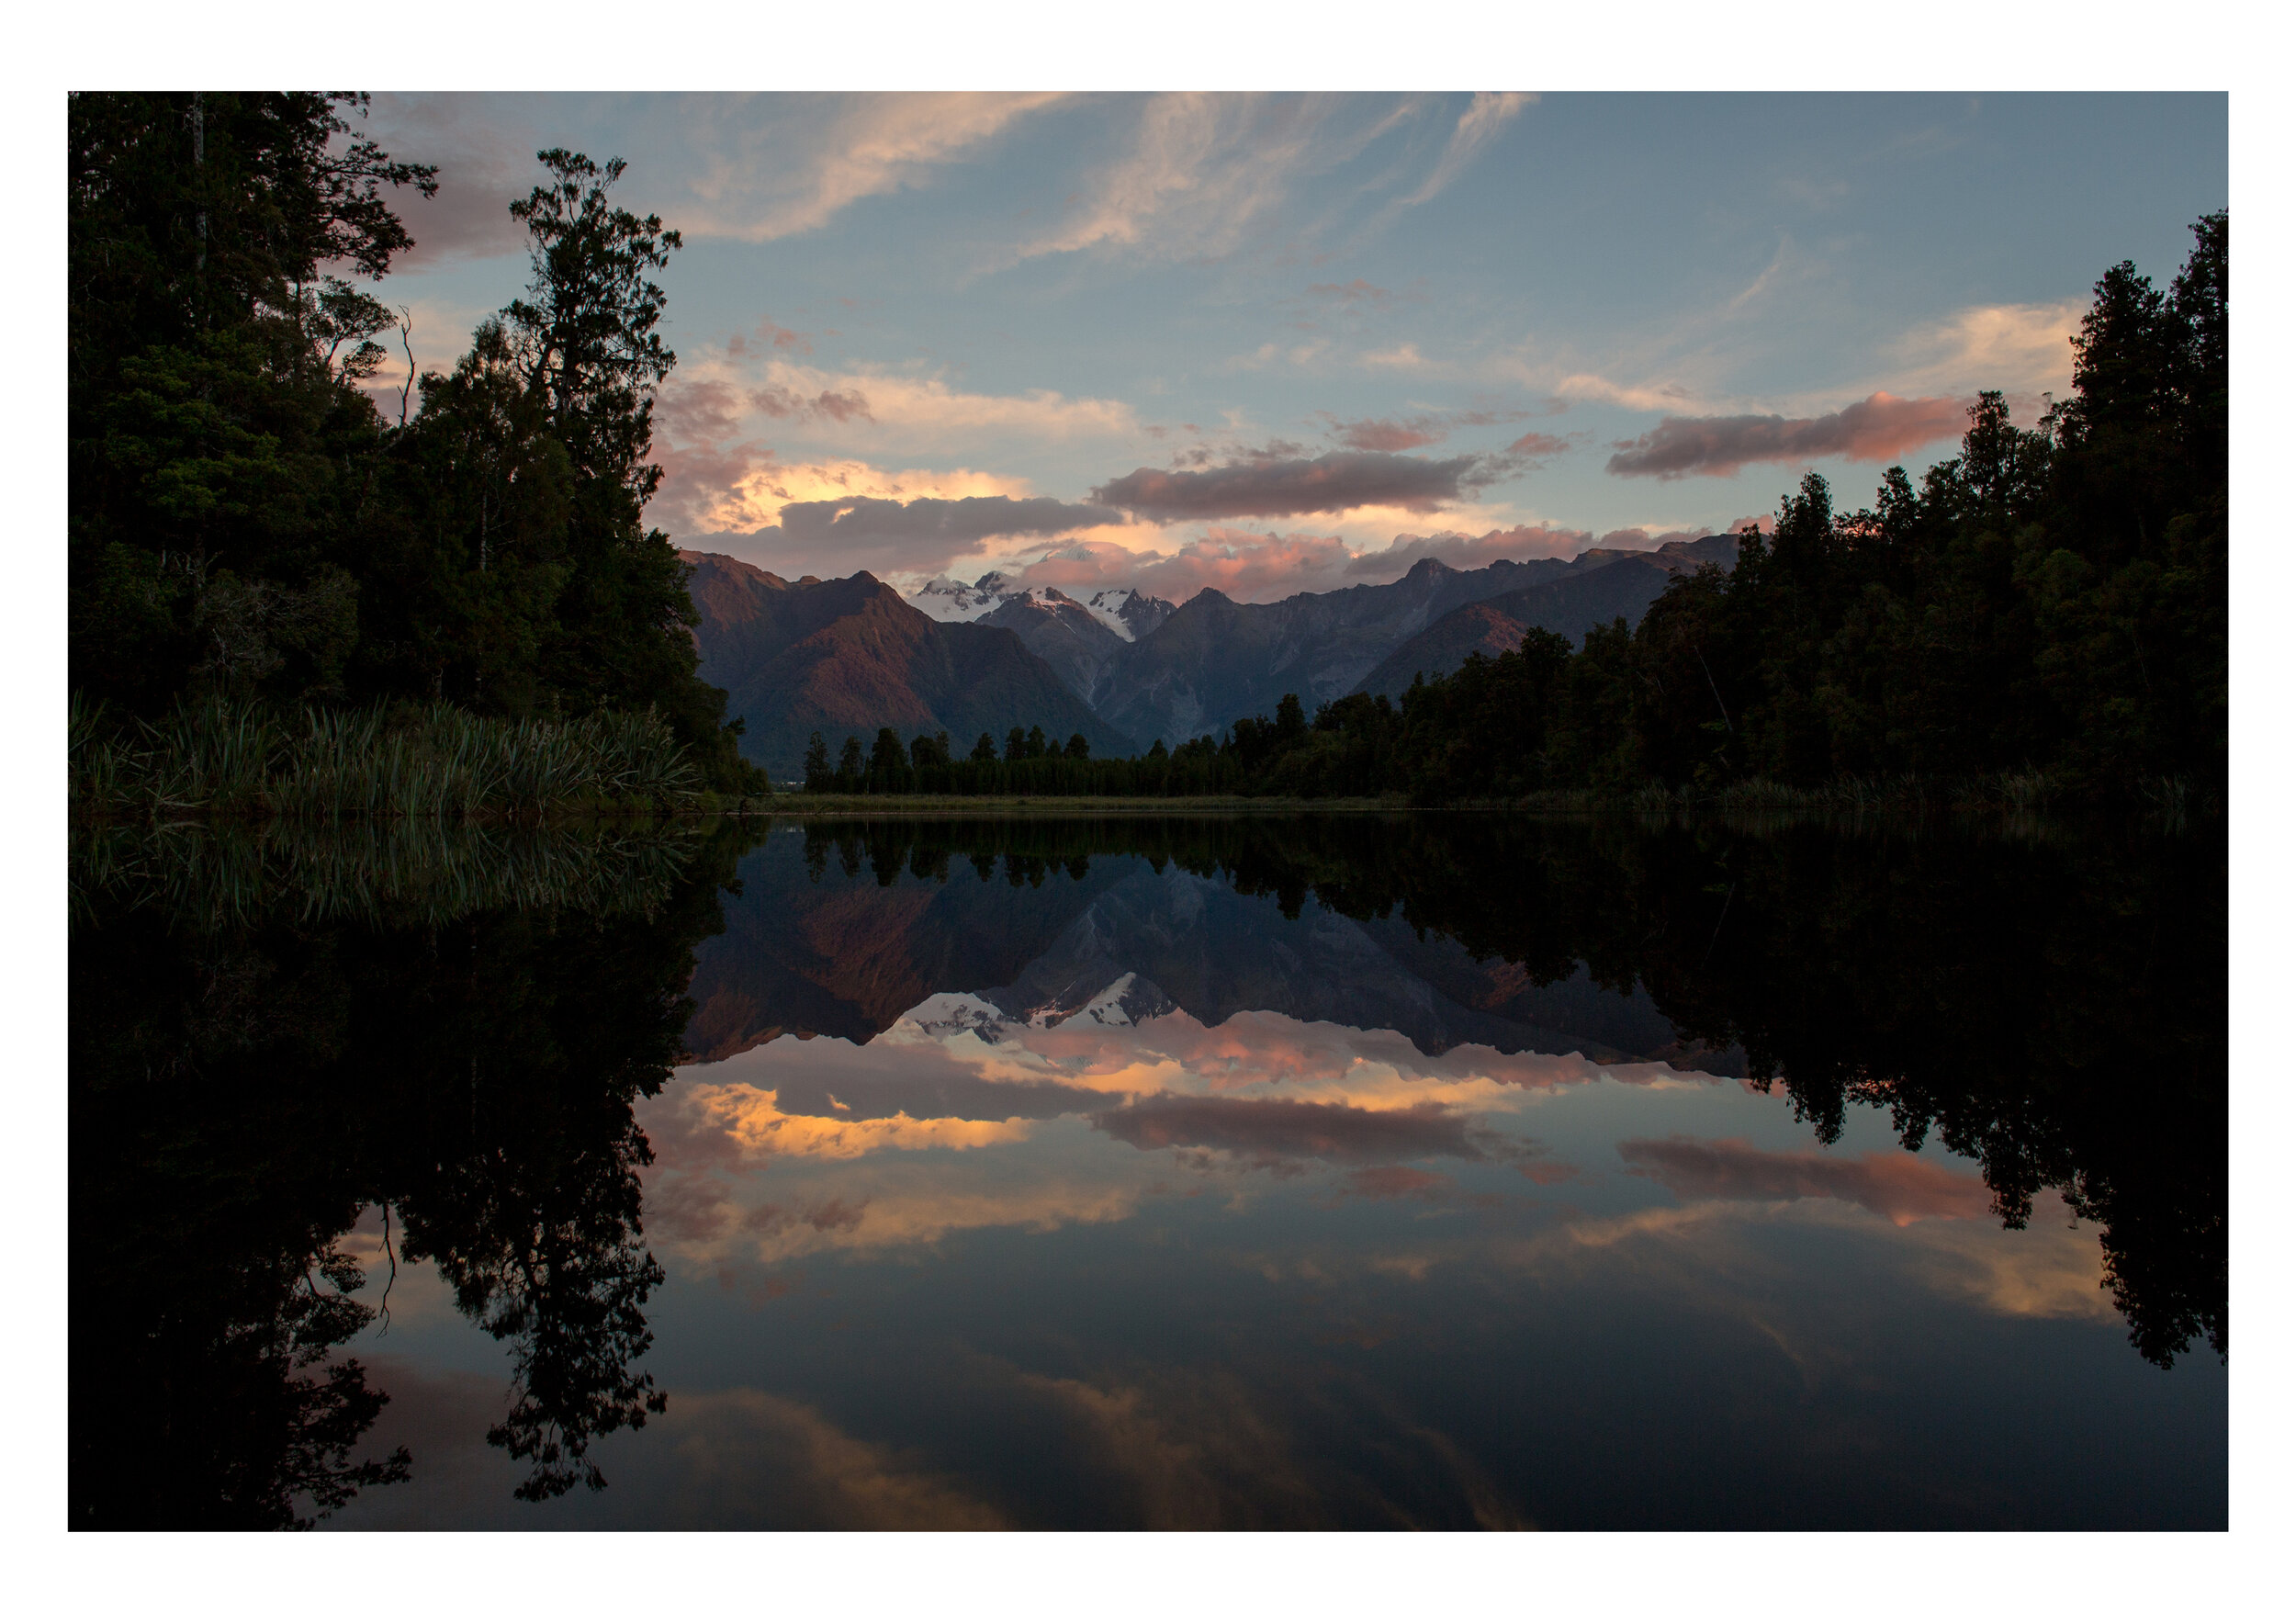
(216, 757)
(216, 873)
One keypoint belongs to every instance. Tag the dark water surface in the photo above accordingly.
(1434, 1171)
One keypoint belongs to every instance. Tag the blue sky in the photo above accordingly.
(1274, 343)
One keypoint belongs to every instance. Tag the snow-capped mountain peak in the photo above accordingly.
(1130, 614)
(946, 600)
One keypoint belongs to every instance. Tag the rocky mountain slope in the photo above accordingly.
(849, 657)
(1620, 588)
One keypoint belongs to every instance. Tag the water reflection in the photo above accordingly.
(1173, 1172)
(270, 1034)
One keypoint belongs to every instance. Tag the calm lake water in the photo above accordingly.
(1382, 1171)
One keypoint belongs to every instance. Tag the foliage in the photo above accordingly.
(216, 755)
(246, 524)
(253, 1066)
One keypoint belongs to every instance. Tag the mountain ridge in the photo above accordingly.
(847, 657)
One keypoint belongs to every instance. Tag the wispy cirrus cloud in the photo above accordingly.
(1478, 126)
(1202, 171)
(1878, 428)
(780, 166)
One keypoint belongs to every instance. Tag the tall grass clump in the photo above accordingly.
(406, 871)
(216, 758)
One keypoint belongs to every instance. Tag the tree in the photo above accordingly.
(1016, 745)
(984, 749)
(220, 456)
(817, 776)
(583, 340)
(1079, 748)
(888, 764)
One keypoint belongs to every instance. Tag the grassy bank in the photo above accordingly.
(221, 759)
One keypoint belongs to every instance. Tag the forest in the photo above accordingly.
(2044, 617)
(268, 528)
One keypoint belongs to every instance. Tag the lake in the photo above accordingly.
(1059, 1171)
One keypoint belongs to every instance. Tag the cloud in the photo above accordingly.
(750, 1458)
(1394, 1183)
(1335, 482)
(886, 535)
(778, 166)
(1879, 428)
(1387, 434)
(2017, 348)
(866, 522)
(1405, 433)
(751, 1118)
(1479, 125)
(1890, 1183)
(1200, 169)
(1272, 1129)
(1520, 544)
(917, 411)
(1242, 564)
(483, 166)
(837, 405)
(1534, 448)
(1259, 566)
(1349, 295)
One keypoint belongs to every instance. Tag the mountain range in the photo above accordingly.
(1121, 667)
(849, 657)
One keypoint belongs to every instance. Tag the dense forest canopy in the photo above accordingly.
(245, 522)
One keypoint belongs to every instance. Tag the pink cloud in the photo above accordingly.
(1338, 481)
(1878, 428)
(1243, 565)
(1386, 434)
(481, 169)
(1258, 567)
(1288, 1128)
(1890, 1183)
(838, 405)
(1405, 433)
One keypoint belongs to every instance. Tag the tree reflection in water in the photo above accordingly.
(2049, 999)
(267, 1042)
(247, 1078)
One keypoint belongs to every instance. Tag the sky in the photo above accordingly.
(1275, 344)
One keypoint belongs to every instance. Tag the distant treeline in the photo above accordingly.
(246, 526)
(2045, 614)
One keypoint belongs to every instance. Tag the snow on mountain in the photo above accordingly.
(947, 599)
(1107, 607)
(944, 1014)
(1130, 614)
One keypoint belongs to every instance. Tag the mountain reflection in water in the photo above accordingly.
(1245, 1172)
